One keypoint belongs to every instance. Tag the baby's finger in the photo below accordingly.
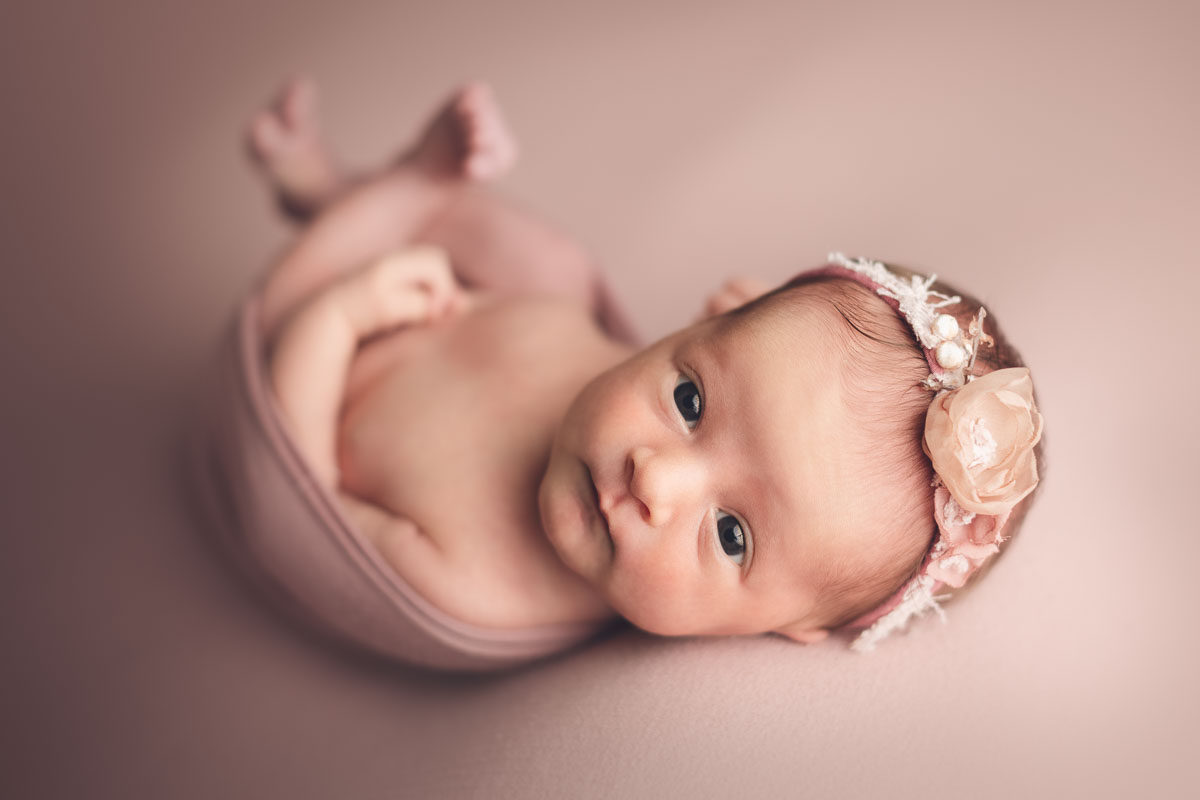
(408, 306)
(428, 267)
(441, 297)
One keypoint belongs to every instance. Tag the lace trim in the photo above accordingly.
(918, 600)
(920, 305)
(955, 515)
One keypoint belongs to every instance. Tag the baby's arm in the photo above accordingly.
(316, 344)
(308, 368)
(378, 217)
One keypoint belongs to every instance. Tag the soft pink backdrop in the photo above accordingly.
(1042, 154)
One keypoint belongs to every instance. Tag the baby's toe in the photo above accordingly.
(299, 104)
(267, 136)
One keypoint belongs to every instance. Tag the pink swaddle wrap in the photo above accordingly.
(290, 535)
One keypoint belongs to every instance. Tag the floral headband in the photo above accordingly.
(979, 433)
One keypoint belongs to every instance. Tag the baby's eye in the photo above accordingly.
(687, 400)
(731, 537)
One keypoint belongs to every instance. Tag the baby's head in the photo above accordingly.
(764, 470)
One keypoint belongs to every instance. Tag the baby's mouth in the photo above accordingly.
(595, 496)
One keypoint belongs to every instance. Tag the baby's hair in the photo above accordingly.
(882, 375)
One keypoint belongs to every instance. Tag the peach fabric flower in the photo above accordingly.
(980, 438)
(967, 539)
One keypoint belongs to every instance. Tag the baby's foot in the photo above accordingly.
(285, 140)
(468, 138)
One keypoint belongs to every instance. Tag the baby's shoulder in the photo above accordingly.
(537, 320)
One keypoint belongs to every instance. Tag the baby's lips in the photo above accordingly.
(440, 302)
(456, 303)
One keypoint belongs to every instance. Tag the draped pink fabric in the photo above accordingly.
(290, 537)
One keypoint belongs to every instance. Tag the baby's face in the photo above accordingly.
(708, 484)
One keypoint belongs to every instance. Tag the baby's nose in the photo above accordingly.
(664, 482)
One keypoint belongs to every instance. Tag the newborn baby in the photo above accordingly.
(460, 377)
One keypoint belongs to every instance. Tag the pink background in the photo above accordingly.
(1045, 156)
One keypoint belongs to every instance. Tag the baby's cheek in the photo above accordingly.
(640, 407)
(607, 416)
(652, 600)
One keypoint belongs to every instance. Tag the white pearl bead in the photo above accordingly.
(950, 355)
(945, 326)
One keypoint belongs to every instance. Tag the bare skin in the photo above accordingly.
(733, 293)
(285, 140)
(447, 362)
(467, 139)
(361, 324)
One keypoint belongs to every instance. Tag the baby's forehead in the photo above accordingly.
(777, 385)
(783, 332)
(853, 334)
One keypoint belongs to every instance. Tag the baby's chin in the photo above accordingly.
(549, 510)
(566, 522)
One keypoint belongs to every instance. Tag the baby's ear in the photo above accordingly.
(736, 292)
(798, 633)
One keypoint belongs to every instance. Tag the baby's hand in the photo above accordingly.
(736, 292)
(415, 286)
